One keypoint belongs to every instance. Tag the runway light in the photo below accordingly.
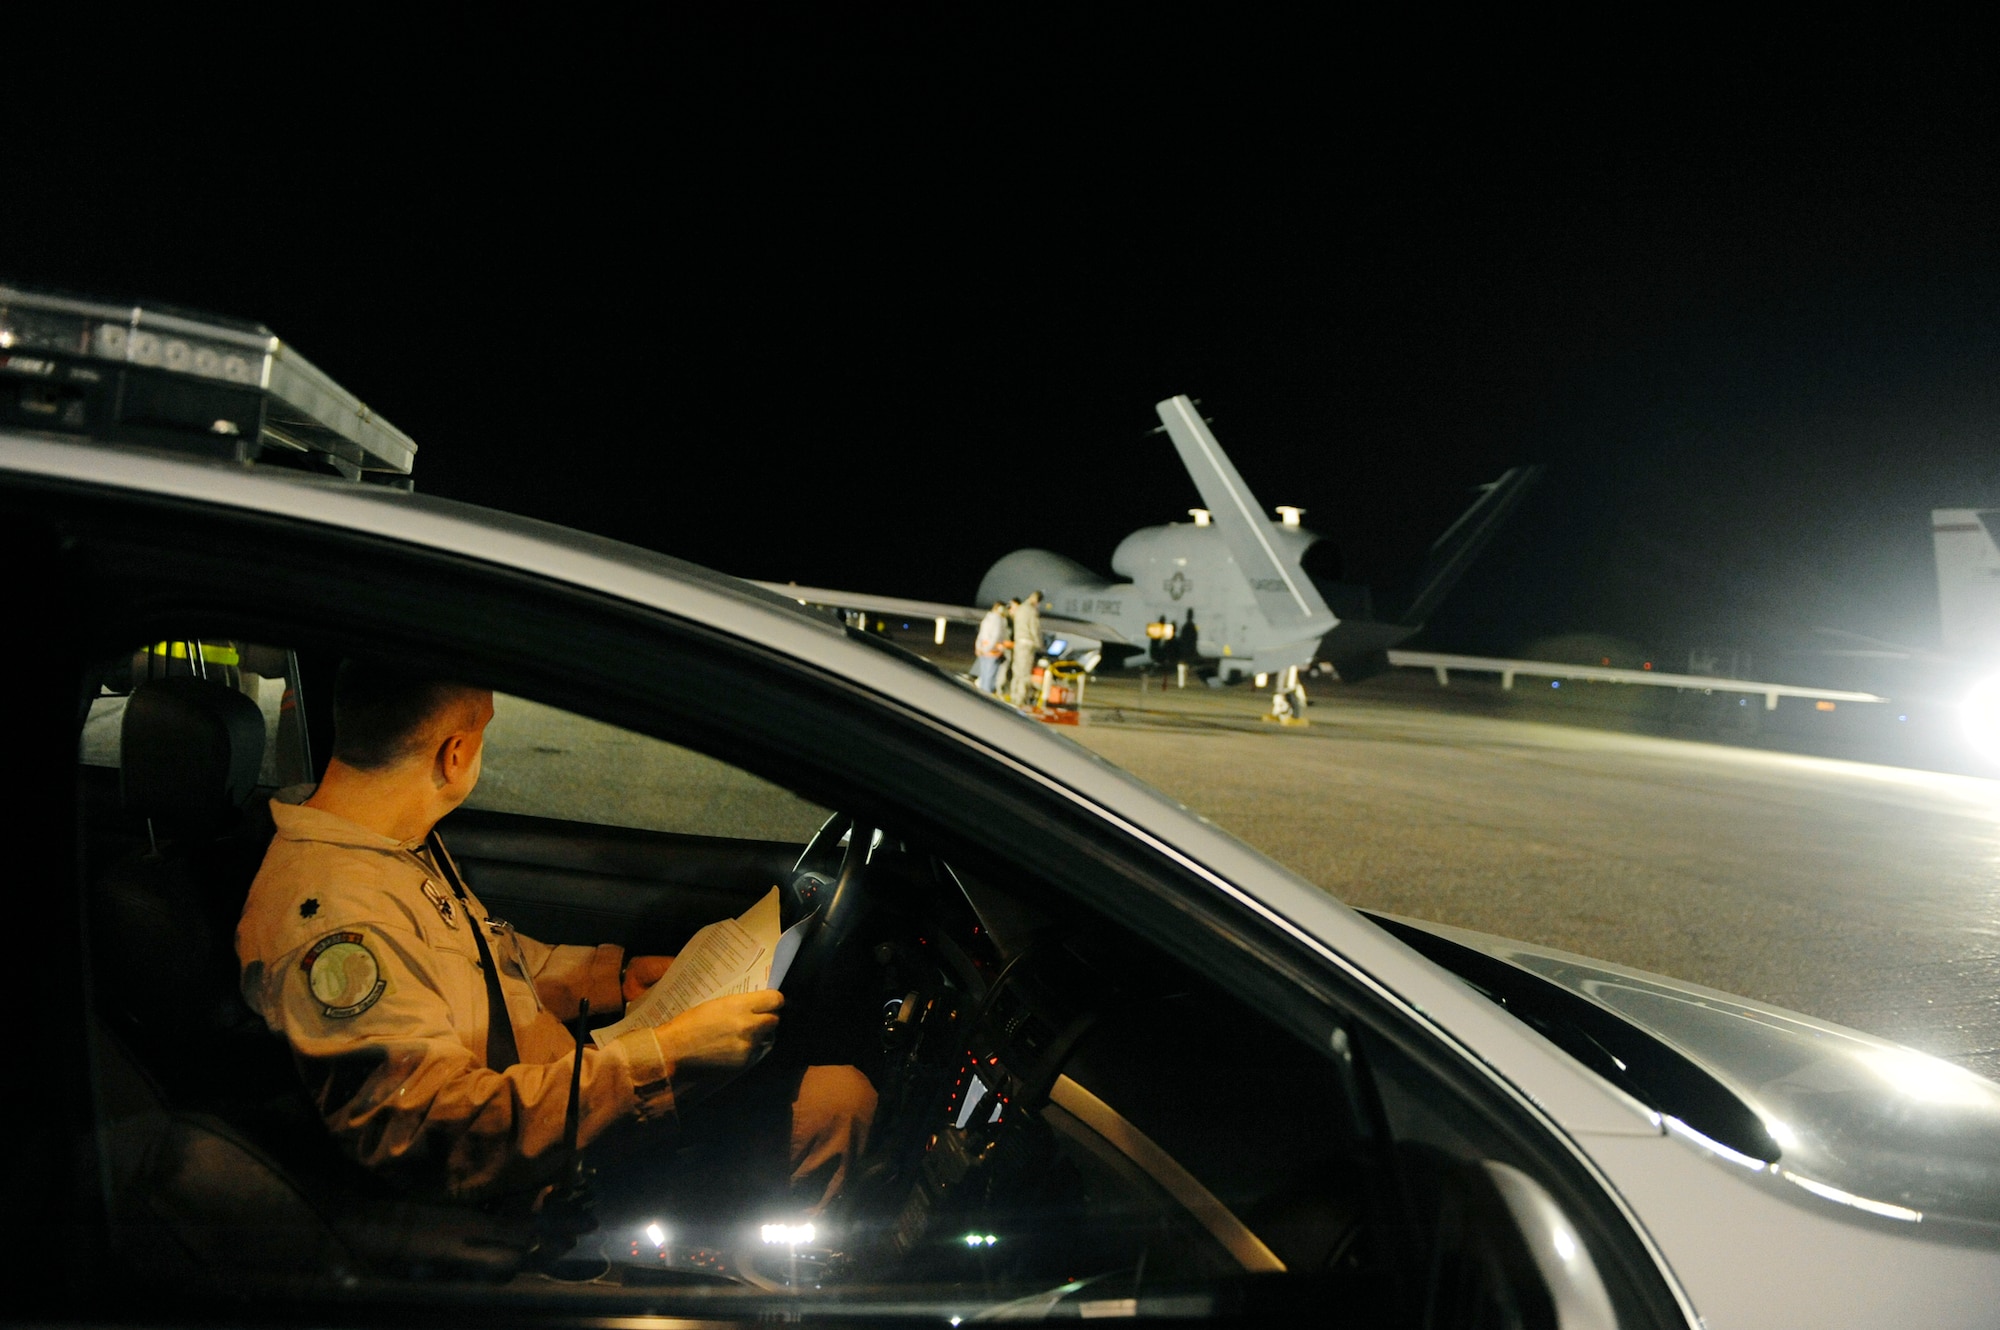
(1555, 683)
(657, 1234)
(787, 1235)
(1980, 713)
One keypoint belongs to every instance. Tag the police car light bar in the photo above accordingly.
(133, 374)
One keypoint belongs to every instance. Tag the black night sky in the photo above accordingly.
(869, 298)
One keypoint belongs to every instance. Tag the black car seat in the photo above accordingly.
(164, 917)
(218, 1165)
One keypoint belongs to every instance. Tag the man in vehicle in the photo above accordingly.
(430, 1034)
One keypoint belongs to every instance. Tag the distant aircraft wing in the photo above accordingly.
(1078, 632)
(1284, 593)
(1874, 648)
(1443, 664)
(1453, 552)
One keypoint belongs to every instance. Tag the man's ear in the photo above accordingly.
(450, 763)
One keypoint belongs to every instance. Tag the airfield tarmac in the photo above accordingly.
(1863, 894)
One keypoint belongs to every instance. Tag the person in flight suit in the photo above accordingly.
(429, 1034)
(1027, 641)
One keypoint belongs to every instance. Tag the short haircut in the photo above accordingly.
(383, 716)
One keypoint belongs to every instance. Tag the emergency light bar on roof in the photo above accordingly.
(133, 374)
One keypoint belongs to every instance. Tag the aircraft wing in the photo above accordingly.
(1081, 633)
(1284, 593)
(1444, 664)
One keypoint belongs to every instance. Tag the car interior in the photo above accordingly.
(1071, 1121)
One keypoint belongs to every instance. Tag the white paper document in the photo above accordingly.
(737, 955)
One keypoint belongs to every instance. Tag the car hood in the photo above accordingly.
(1859, 1120)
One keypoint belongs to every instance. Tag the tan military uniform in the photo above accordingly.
(1027, 641)
(355, 949)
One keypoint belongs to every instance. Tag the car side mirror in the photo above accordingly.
(1576, 1290)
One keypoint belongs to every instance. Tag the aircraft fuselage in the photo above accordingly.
(1182, 573)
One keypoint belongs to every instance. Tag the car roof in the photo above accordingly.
(1574, 1096)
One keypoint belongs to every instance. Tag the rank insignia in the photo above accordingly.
(343, 975)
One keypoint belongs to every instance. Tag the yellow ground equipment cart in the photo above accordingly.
(1060, 692)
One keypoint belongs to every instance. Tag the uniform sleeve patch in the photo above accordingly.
(343, 975)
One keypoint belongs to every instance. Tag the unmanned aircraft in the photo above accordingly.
(1231, 589)
(1246, 596)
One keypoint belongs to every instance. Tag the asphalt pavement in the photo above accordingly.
(1863, 894)
(1860, 893)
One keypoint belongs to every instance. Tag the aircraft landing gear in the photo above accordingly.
(1288, 704)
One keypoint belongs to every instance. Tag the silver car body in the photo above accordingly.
(1740, 1247)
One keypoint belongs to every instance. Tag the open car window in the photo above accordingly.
(546, 762)
(1065, 1117)
(265, 675)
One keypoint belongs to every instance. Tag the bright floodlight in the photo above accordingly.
(1981, 713)
(787, 1235)
(657, 1234)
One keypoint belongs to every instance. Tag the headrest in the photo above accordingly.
(189, 753)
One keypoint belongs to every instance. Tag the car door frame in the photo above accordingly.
(148, 564)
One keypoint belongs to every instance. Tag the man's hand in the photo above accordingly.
(831, 1116)
(709, 1044)
(642, 972)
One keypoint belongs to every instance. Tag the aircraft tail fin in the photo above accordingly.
(1284, 593)
(1967, 545)
(1461, 543)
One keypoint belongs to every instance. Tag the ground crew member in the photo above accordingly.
(427, 1032)
(1027, 641)
(992, 632)
(1003, 674)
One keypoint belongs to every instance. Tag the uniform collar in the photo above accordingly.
(297, 822)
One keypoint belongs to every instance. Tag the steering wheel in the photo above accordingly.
(831, 880)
